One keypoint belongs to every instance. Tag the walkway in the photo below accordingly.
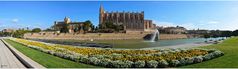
(7, 59)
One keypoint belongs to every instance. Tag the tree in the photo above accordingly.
(96, 28)
(87, 25)
(102, 26)
(118, 27)
(36, 30)
(235, 33)
(65, 28)
(92, 27)
(226, 33)
(48, 29)
(206, 36)
(19, 33)
(110, 25)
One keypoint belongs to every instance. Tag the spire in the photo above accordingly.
(101, 14)
(101, 6)
(65, 17)
(101, 9)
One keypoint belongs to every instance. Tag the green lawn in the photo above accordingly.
(47, 60)
(229, 60)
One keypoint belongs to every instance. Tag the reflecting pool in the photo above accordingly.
(132, 44)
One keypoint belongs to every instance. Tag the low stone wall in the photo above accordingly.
(172, 36)
(99, 36)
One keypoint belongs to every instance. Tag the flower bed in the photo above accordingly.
(125, 58)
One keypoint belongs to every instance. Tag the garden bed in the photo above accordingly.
(83, 44)
(125, 58)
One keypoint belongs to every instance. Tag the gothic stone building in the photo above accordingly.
(132, 21)
(68, 26)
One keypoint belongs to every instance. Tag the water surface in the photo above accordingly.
(148, 44)
(137, 44)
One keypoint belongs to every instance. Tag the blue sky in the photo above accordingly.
(221, 15)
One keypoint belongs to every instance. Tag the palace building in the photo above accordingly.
(68, 26)
(132, 21)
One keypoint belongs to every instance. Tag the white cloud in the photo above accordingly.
(33, 26)
(15, 20)
(2, 26)
(189, 25)
(210, 25)
(213, 22)
(231, 25)
(164, 24)
(169, 24)
(201, 24)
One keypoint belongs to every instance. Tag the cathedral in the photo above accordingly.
(132, 21)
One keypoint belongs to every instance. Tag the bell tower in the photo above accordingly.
(66, 20)
(101, 14)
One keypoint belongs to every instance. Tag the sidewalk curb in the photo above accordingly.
(29, 63)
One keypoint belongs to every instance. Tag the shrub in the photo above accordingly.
(51, 52)
(117, 63)
(174, 63)
(139, 64)
(152, 64)
(207, 57)
(212, 55)
(67, 56)
(188, 60)
(127, 64)
(79, 57)
(94, 61)
(115, 56)
(162, 63)
(72, 57)
(182, 61)
(84, 60)
(198, 59)
(105, 62)
(98, 56)
(157, 54)
(59, 54)
(218, 53)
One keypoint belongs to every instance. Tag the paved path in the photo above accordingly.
(7, 59)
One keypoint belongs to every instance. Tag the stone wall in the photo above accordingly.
(172, 36)
(99, 36)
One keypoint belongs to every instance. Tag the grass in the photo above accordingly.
(47, 60)
(229, 60)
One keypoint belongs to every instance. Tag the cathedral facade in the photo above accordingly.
(132, 21)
